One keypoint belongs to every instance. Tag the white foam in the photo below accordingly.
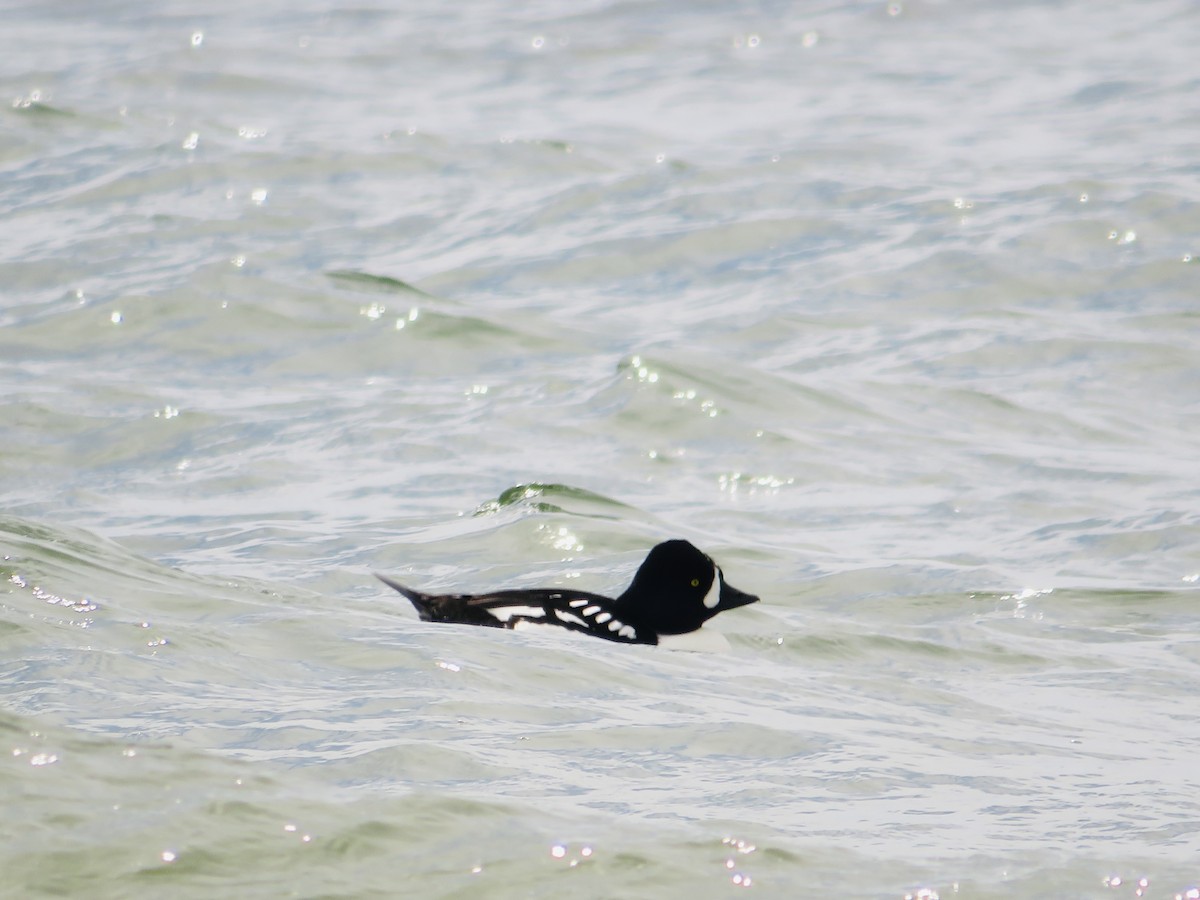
(525, 625)
(702, 640)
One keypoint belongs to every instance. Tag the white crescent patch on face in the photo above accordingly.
(713, 597)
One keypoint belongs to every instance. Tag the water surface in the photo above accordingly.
(890, 308)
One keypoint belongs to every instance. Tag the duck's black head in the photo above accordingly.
(677, 589)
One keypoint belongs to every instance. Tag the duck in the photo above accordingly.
(675, 590)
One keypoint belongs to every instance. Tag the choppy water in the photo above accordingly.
(892, 309)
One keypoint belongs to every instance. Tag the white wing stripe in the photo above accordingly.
(504, 613)
(564, 616)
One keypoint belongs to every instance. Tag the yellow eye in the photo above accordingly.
(695, 582)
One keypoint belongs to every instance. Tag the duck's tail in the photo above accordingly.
(419, 600)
